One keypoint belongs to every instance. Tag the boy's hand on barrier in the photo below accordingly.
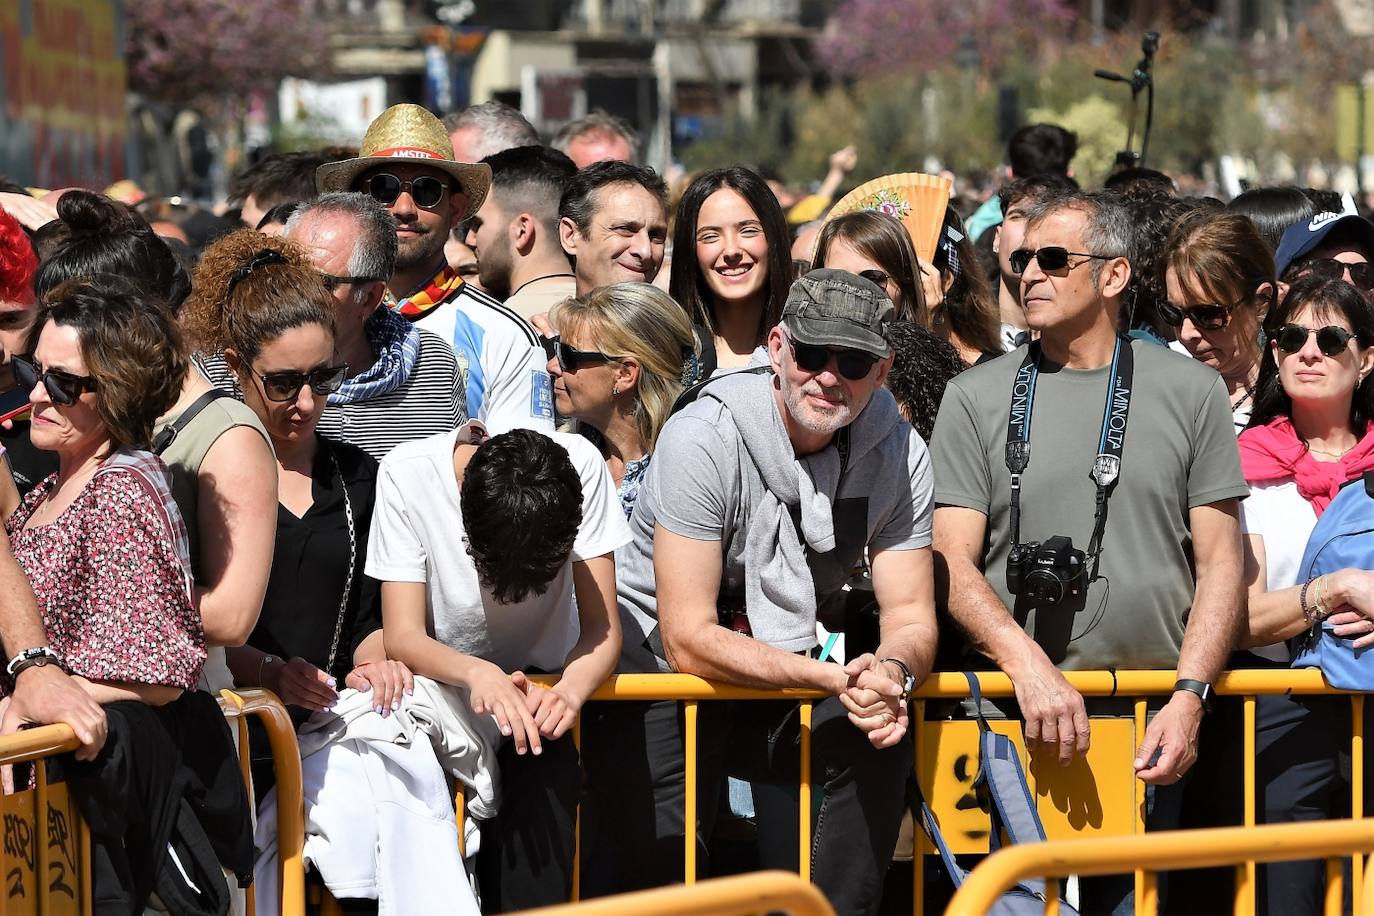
(495, 693)
(553, 711)
(387, 680)
(1056, 718)
(45, 695)
(1170, 745)
(298, 683)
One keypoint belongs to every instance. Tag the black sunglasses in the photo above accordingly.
(286, 386)
(1050, 258)
(425, 190)
(333, 282)
(1206, 317)
(570, 359)
(851, 364)
(1362, 275)
(878, 278)
(1331, 340)
(63, 387)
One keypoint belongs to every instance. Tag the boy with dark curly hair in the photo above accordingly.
(481, 545)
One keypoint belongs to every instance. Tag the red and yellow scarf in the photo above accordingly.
(442, 287)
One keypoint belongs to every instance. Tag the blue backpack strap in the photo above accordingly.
(957, 874)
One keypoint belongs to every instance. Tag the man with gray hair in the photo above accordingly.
(598, 137)
(1031, 453)
(479, 131)
(764, 495)
(403, 382)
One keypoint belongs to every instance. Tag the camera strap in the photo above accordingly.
(1110, 445)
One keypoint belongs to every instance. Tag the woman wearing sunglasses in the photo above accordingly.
(101, 540)
(1219, 284)
(320, 627)
(223, 475)
(1310, 433)
(618, 364)
(732, 265)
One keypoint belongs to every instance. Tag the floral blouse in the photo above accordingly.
(111, 577)
(629, 484)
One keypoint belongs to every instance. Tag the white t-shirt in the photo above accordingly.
(417, 536)
(508, 385)
(1278, 514)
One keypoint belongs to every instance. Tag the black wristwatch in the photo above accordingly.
(908, 679)
(35, 657)
(1203, 690)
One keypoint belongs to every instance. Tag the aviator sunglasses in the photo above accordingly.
(851, 364)
(425, 190)
(1050, 258)
(286, 386)
(63, 387)
(1331, 340)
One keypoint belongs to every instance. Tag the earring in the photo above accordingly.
(615, 390)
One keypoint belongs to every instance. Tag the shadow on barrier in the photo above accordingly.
(761, 892)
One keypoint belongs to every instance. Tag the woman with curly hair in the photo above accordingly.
(223, 474)
(258, 300)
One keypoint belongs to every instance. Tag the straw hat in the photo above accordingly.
(410, 134)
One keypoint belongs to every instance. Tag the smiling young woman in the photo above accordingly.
(733, 265)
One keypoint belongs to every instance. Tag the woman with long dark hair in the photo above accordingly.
(732, 263)
(877, 247)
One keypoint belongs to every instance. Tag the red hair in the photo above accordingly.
(18, 263)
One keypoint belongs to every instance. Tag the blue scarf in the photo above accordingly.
(397, 345)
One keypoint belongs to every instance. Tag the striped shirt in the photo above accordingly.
(431, 401)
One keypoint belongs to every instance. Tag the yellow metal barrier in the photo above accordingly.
(286, 761)
(48, 870)
(762, 892)
(1173, 849)
(1099, 797)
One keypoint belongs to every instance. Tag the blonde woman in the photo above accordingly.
(617, 364)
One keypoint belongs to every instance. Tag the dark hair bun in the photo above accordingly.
(89, 213)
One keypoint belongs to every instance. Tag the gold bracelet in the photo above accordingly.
(1319, 609)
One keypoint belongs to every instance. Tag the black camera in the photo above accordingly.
(1049, 573)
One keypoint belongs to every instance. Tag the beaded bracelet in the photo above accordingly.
(1302, 601)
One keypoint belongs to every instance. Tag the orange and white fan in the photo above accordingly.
(917, 199)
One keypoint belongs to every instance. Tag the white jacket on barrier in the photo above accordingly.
(379, 818)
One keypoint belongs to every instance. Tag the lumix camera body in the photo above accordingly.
(1047, 573)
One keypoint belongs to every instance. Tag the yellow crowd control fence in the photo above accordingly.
(46, 857)
(1176, 849)
(743, 895)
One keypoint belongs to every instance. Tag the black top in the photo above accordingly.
(310, 566)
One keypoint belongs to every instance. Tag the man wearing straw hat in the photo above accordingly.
(406, 163)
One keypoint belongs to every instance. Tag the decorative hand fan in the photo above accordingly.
(917, 199)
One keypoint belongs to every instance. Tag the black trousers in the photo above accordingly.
(526, 855)
(633, 817)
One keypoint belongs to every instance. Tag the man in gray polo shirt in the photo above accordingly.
(763, 497)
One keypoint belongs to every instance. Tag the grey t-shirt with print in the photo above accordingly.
(703, 485)
(1180, 453)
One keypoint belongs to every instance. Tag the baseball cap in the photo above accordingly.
(837, 309)
(1302, 238)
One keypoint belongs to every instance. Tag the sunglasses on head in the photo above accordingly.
(851, 364)
(63, 387)
(570, 359)
(1331, 340)
(426, 190)
(286, 386)
(1050, 258)
(1362, 275)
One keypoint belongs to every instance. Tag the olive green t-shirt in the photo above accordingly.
(1180, 452)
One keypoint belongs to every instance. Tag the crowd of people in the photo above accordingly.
(421, 422)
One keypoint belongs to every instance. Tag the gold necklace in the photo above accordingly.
(1322, 451)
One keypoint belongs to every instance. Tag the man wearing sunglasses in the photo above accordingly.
(406, 164)
(764, 496)
(1329, 246)
(1127, 450)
